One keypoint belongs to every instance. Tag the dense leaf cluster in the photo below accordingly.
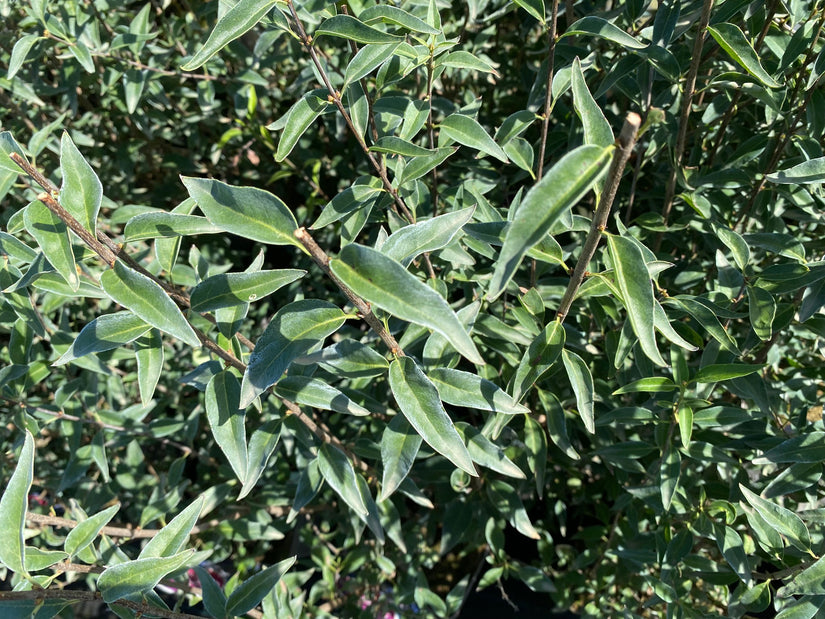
(314, 309)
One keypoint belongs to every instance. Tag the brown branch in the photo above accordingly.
(684, 115)
(91, 596)
(320, 258)
(335, 97)
(624, 143)
(548, 102)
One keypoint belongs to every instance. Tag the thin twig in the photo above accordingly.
(624, 146)
(548, 101)
(684, 114)
(320, 258)
(335, 97)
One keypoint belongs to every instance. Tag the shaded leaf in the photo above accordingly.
(148, 300)
(226, 419)
(393, 15)
(540, 356)
(149, 357)
(418, 399)
(318, 394)
(733, 41)
(596, 26)
(486, 453)
(782, 520)
(231, 289)
(126, 580)
(263, 442)
(352, 29)
(724, 371)
(166, 225)
(368, 58)
(338, 472)
(596, 128)
(471, 391)
(105, 333)
(399, 446)
(297, 120)
(582, 383)
(468, 132)
(81, 192)
(805, 173)
(52, 236)
(13, 505)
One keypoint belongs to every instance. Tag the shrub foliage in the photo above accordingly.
(316, 309)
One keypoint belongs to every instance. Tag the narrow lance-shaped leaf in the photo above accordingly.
(294, 329)
(418, 399)
(549, 200)
(734, 42)
(139, 576)
(350, 28)
(410, 241)
(214, 600)
(234, 23)
(534, 7)
(230, 289)
(86, 531)
(782, 520)
(637, 291)
(399, 446)
(250, 592)
(596, 128)
(171, 538)
(386, 283)
(368, 58)
(81, 192)
(319, 394)
(104, 333)
(393, 15)
(149, 357)
(338, 472)
(262, 444)
(600, 27)
(471, 391)
(226, 418)
(465, 60)
(296, 121)
(469, 132)
(582, 382)
(246, 211)
(486, 453)
(557, 424)
(148, 300)
(809, 582)
(805, 173)
(52, 235)
(724, 371)
(166, 225)
(13, 506)
(540, 356)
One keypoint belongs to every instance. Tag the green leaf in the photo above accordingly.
(133, 578)
(810, 581)
(226, 418)
(808, 447)
(86, 530)
(37, 559)
(149, 357)
(406, 243)
(19, 52)
(171, 538)
(105, 333)
(399, 447)
(465, 60)
(649, 384)
(9, 145)
(246, 211)
(362, 194)
(669, 473)
(295, 328)
(596, 26)
(582, 383)
(13, 505)
(347, 27)
(507, 501)
(166, 225)
(468, 132)
(540, 356)
(297, 120)
(339, 473)
(420, 166)
(731, 546)
(148, 300)
(731, 39)
(318, 394)
(548, 201)
(214, 600)
(83, 56)
(724, 371)
(782, 520)
(806, 173)
(521, 153)
(418, 399)
(396, 146)
(14, 248)
(596, 128)
(535, 440)
(231, 289)
(634, 282)
(81, 192)
(235, 22)
(534, 7)
(486, 453)
(250, 592)
(393, 15)
(471, 391)
(707, 319)
(386, 283)
(263, 442)
(557, 424)
(52, 236)
(737, 245)
(762, 311)
(368, 58)
(348, 358)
